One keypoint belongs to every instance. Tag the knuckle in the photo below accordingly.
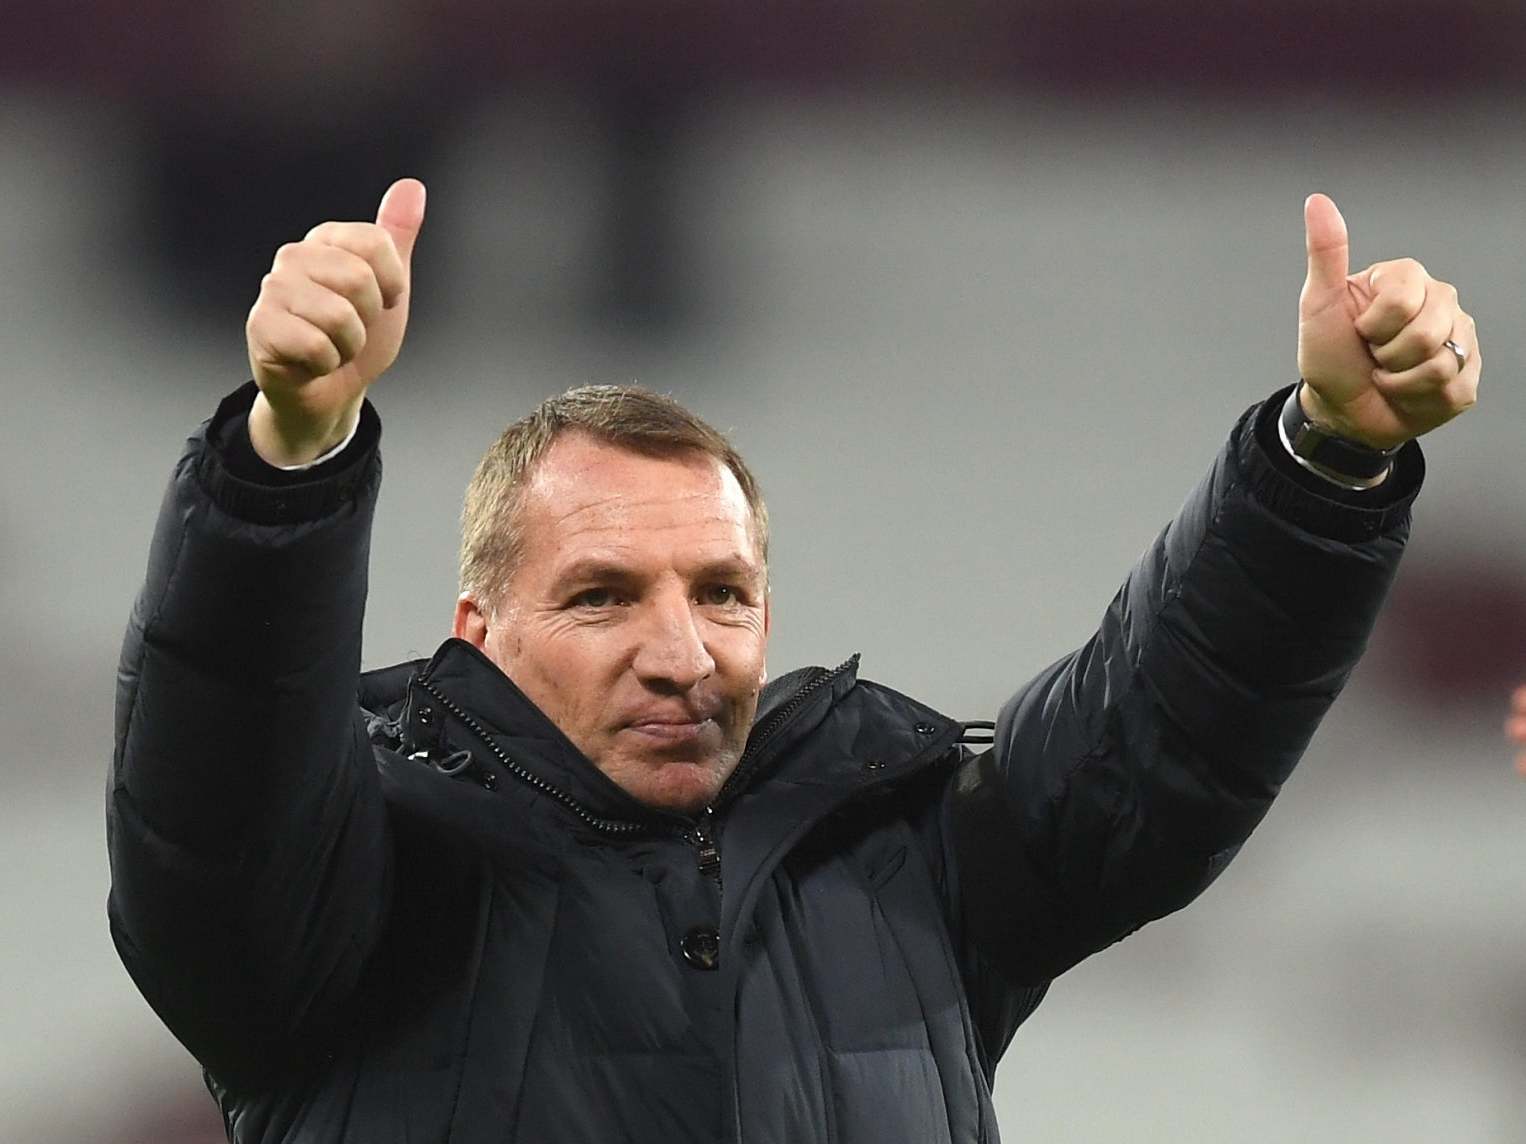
(313, 345)
(337, 316)
(355, 278)
(287, 253)
(1390, 310)
(1436, 371)
(273, 286)
(372, 238)
(1428, 343)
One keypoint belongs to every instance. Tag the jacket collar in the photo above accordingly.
(459, 700)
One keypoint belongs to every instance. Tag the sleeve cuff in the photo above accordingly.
(245, 486)
(1303, 498)
(328, 455)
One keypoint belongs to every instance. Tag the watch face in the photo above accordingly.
(1307, 440)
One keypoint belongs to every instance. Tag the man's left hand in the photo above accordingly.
(1373, 346)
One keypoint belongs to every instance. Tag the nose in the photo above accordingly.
(672, 655)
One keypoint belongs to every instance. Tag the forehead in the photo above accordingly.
(590, 493)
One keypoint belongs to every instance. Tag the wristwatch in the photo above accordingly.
(1338, 460)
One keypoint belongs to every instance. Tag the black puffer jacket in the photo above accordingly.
(428, 918)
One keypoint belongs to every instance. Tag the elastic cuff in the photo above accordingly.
(1315, 505)
(243, 485)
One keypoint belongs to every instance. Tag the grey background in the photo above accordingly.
(978, 343)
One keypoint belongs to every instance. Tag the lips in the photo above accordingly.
(674, 728)
(666, 731)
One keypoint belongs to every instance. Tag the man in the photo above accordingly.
(581, 876)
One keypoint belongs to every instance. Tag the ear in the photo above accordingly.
(471, 621)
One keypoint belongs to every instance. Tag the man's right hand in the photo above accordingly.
(328, 322)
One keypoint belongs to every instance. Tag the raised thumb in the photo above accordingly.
(401, 214)
(1328, 246)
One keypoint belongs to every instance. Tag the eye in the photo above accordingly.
(720, 595)
(593, 598)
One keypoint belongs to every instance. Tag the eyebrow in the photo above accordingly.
(597, 569)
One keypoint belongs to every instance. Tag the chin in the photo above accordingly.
(686, 788)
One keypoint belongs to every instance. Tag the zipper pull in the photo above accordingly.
(703, 837)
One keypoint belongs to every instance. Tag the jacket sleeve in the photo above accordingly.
(245, 827)
(1124, 777)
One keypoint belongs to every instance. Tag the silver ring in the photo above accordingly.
(1458, 352)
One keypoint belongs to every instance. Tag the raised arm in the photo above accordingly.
(246, 832)
(1126, 776)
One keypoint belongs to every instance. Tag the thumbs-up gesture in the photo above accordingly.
(328, 322)
(1386, 353)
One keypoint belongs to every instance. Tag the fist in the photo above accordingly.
(1372, 346)
(328, 322)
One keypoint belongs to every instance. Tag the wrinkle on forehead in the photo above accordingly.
(583, 485)
(617, 508)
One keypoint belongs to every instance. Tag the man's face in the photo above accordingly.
(637, 615)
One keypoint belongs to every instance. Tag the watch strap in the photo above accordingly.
(1333, 457)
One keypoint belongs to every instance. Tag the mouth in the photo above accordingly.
(673, 732)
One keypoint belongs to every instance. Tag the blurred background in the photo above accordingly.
(979, 288)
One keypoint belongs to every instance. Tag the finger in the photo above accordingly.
(1433, 383)
(1327, 243)
(1422, 338)
(291, 347)
(372, 243)
(1397, 290)
(332, 313)
(340, 270)
(1519, 699)
(1515, 727)
(1431, 403)
(401, 214)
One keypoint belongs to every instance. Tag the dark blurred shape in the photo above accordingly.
(1454, 630)
(132, 50)
(224, 191)
(1401, 50)
(642, 286)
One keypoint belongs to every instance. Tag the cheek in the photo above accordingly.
(503, 647)
(744, 651)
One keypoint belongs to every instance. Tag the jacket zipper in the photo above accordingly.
(702, 836)
(701, 833)
(611, 826)
(707, 850)
(762, 734)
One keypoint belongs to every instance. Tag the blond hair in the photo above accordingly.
(627, 416)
